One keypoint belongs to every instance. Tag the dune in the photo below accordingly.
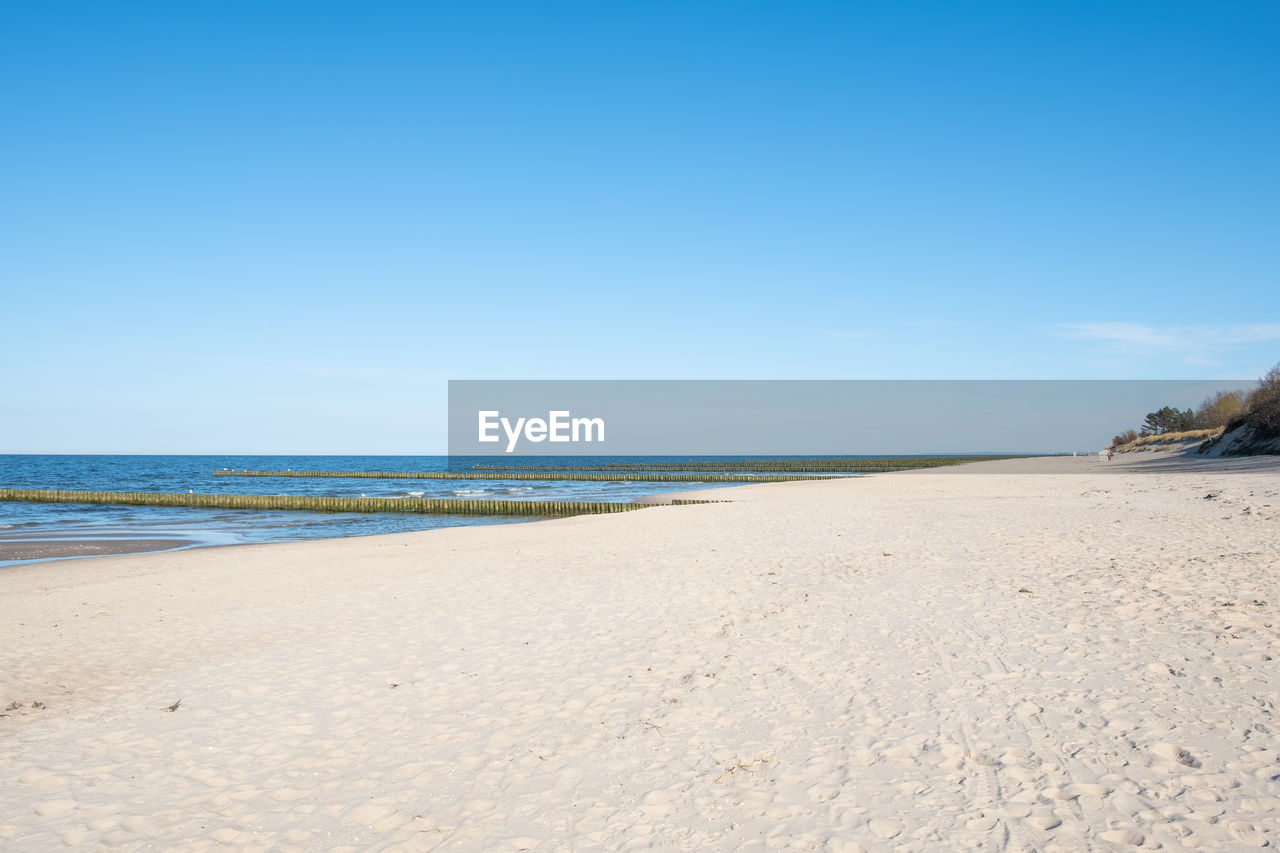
(1055, 654)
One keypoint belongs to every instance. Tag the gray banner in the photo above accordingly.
(813, 417)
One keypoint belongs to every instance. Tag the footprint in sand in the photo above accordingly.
(823, 793)
(1080, 789)
(1045, 821)
(54, 808)
(42, 780)
(1172, 753)
(1246, 833)
(657, 804)
(885, 828)
(1122, 836)
(982, 823)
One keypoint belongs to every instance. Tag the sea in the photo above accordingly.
(134, 473)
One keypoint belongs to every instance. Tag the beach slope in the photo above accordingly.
(1006, 656)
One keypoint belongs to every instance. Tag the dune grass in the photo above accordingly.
(1148, 442)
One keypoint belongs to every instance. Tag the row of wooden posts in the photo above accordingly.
(323, 503)
(868, 465)
(600, 476)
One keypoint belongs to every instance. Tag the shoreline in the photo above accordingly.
(44, 548)
(1145, 461)
(1045, 660)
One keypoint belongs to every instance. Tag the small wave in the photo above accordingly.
(468, 493)
(517, 489)
(416, 494)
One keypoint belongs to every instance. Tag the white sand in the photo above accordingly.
(920, 661)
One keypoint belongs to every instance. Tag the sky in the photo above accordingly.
(283, 227)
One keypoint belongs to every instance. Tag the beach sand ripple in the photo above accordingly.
(1004, 661)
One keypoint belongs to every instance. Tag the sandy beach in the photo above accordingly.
(1059, 655)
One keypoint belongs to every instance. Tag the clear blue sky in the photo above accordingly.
(281, 227)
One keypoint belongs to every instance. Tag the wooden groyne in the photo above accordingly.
(860, 466)
(321, 503)
(588, 475)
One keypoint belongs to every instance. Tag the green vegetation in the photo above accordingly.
(1123, 439)
(1261, 409)
(1221, 412)
(320, 503)
(1218, 410)
(1167, 419)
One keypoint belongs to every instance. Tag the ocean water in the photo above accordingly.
(226, 527)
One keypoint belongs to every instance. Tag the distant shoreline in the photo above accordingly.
(20, 548)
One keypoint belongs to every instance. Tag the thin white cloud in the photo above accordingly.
(1259, 333)
(1200, 361)
(1130, 334)
(1197, 344)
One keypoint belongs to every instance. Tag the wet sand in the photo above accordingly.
(46, 549)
